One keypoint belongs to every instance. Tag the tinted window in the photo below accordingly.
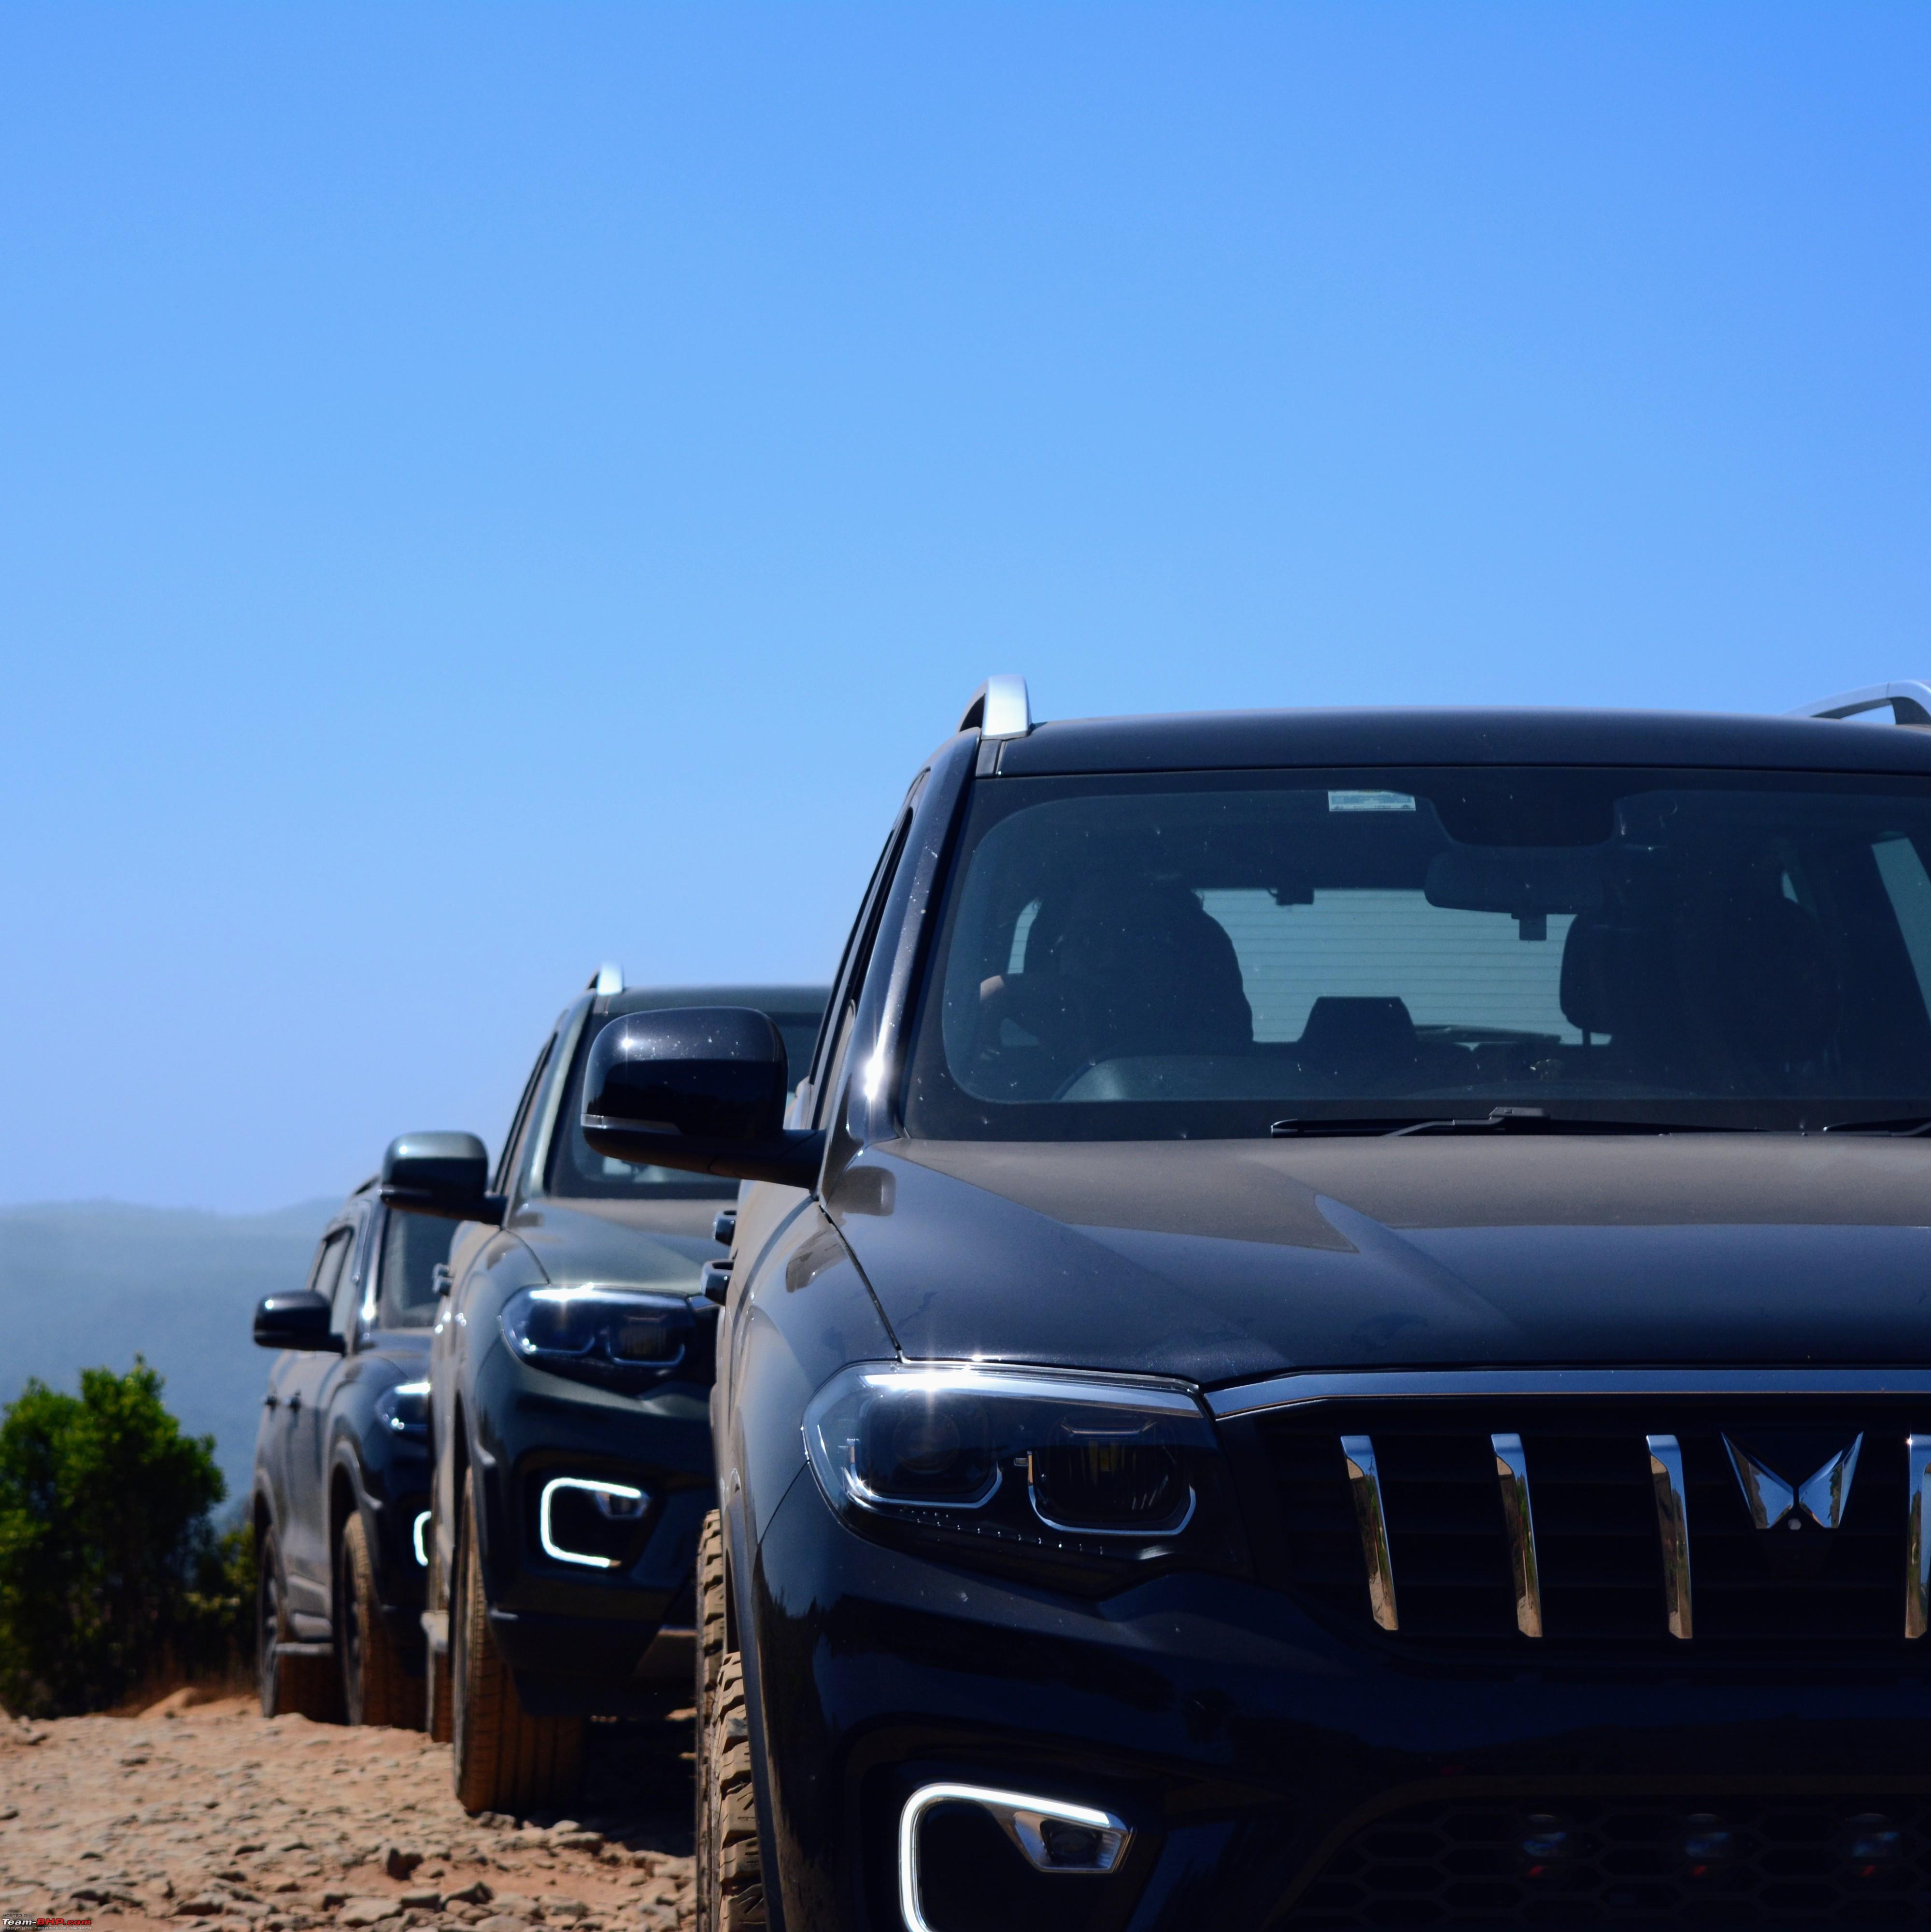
(1202, 953)
(412, 1244)
(327, 1282)
(575, 1170)
(506, 1160)
(852, 968)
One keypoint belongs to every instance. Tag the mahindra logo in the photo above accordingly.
(1820, 1498)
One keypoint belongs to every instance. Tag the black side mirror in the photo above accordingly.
(444, 1174)
(700, 1088)
(297, 1321)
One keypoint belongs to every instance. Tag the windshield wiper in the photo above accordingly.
(1497, 1121)
(1903, 1130)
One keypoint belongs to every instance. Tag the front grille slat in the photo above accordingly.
(1595, 1486)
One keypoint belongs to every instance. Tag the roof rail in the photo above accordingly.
(1909, 700)
(607, 979)
(1000, 708)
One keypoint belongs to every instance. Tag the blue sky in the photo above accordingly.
(484, 490)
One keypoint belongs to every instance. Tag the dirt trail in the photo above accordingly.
(215, 1814)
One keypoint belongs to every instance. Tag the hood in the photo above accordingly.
(659, 1244)
(1224, 1261)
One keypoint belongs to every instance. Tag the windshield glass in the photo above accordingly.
(412, 1244)
(1207, 953)
(575, 1171)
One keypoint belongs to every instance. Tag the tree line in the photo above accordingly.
(114, 1575)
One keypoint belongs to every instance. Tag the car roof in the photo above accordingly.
(1234, 740)
(811, 1000)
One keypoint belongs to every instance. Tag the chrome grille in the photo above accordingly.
(1596, 1476)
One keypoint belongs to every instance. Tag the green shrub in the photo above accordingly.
(111, 1572)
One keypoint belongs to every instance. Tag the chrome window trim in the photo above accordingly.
(1300, 1388)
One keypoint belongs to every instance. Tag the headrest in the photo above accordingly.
(1163, 972)
(1350, 1029)
(1596, 958)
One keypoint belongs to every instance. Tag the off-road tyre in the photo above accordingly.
(439, 1690)
(288, 1687)
(377, 1686)
(730, 1862)
(505, 1758)
(712, 1623)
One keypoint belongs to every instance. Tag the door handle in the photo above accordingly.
(295, 1400)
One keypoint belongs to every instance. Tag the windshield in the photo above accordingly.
(1208, 953)
(575, 1171)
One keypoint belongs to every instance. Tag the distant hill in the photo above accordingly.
(87, 1283)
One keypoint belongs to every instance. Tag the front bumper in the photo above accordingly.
(583, 1638)
(1276, 1773)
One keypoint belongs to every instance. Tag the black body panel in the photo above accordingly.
(325, 1449)
(1225, 1261)
(582, 1639)
(1609, 1306)
(1229, 740)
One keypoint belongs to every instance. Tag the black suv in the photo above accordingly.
(569, 1372)
(1341, 1335)
(341, 1484)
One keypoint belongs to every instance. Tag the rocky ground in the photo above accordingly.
(211, 1812)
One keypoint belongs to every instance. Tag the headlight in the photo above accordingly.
(403, 1407)
(622, 1338)
(1097, 1480)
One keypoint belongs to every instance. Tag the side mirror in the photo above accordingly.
(700, 1088)
(297, 1321)
(444, 1174)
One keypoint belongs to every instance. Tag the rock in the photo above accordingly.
(503, 1921)
(331, 1900)
(175, 1702)
(422, 1901)
(398, 1863)
(478, 1893)
(201, 1906)
(578, 1841)
(368, 1911)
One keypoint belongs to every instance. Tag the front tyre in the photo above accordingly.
(376, 1688)
(505, 1758)
(289, 1684)
(438, 1693)
(730, 1861)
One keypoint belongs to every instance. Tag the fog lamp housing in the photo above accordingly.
(589, 1520)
